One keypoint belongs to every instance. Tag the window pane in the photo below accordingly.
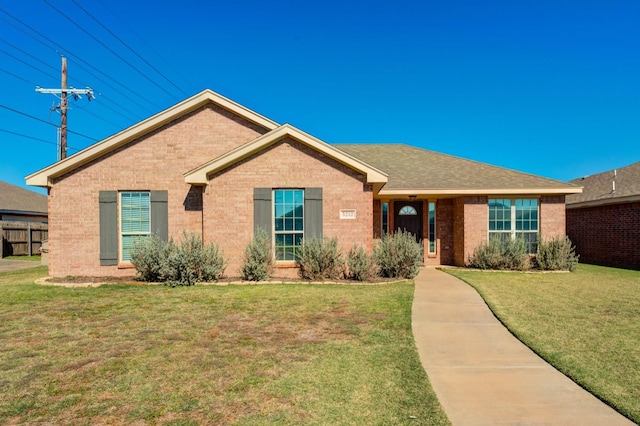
(135, 219)
(288, 221)
(385, 218)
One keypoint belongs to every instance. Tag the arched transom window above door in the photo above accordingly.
(408, 211)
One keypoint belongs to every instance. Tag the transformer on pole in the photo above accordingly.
(63, 92)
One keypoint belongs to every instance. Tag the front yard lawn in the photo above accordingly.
(585, 323)
(251, 355)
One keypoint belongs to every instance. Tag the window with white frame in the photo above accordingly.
(288, 208)
(135, 220)
(515, 218)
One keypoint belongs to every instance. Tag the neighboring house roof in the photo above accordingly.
(199, 176)
(600, 189)
(44, 176)
(416, 171)
(16, 200)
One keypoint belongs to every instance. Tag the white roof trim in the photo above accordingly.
(480, 191)
(199, 175)
(44, 177)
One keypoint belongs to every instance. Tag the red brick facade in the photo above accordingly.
(606, 235)
(222, 210)
(552, 216)
(228, 202)
(156, 161)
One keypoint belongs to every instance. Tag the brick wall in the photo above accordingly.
(552, 216)
(606, 235)
(228, 200)
(156, 161)
(377, 219)
(470, 222)
(444, 234)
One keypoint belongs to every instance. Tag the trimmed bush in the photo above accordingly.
(398, 255)
(147, 257)
(361, 265)
(258, 257)
(178, 264)
(501, 254)
(557, 254)
(320, 258)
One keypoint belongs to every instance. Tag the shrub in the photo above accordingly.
(147, 257)
(320, 258)
(557, 254)
(398, 255)
(186, 263)
(258, 257)
(501, 254)
(361, 265)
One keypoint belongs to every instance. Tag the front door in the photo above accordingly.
(408, 217)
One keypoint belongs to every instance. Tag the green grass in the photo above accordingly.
(33, 258)
(585, 323)
(249, 355)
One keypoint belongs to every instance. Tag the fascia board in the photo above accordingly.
(513, 191)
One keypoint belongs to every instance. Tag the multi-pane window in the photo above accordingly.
(288, 208)
(432, 227)
(514, 219)
(135, 220)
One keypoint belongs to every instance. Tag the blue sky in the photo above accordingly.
(544, 87)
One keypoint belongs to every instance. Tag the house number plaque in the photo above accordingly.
(348, 214)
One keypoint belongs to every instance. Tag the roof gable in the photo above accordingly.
(601, 189)
(199, 175)
(416, 171)
(43, 177)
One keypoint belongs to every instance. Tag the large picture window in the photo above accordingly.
(288, 208)
(514, 219)
(135, 220)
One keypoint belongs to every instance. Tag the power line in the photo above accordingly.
(99, 117)
(147, 45)
(34, 138)
(58, 48)
(27, 64)
(28, 54)
(45, 122)
(18, 77)
(129, 47)
(109, 49)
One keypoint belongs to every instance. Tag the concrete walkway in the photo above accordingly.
(485, 376)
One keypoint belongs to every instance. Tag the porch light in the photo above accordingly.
(413, 197)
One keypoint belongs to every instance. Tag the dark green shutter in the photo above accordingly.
(108, 227)
(313, 213)
(262, 214)
(160, 214)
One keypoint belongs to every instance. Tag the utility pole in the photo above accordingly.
(63, 92)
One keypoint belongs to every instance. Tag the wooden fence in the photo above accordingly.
(22, 238)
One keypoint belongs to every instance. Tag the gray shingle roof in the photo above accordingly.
(412, 168)
(16, 199)
(599, 187)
